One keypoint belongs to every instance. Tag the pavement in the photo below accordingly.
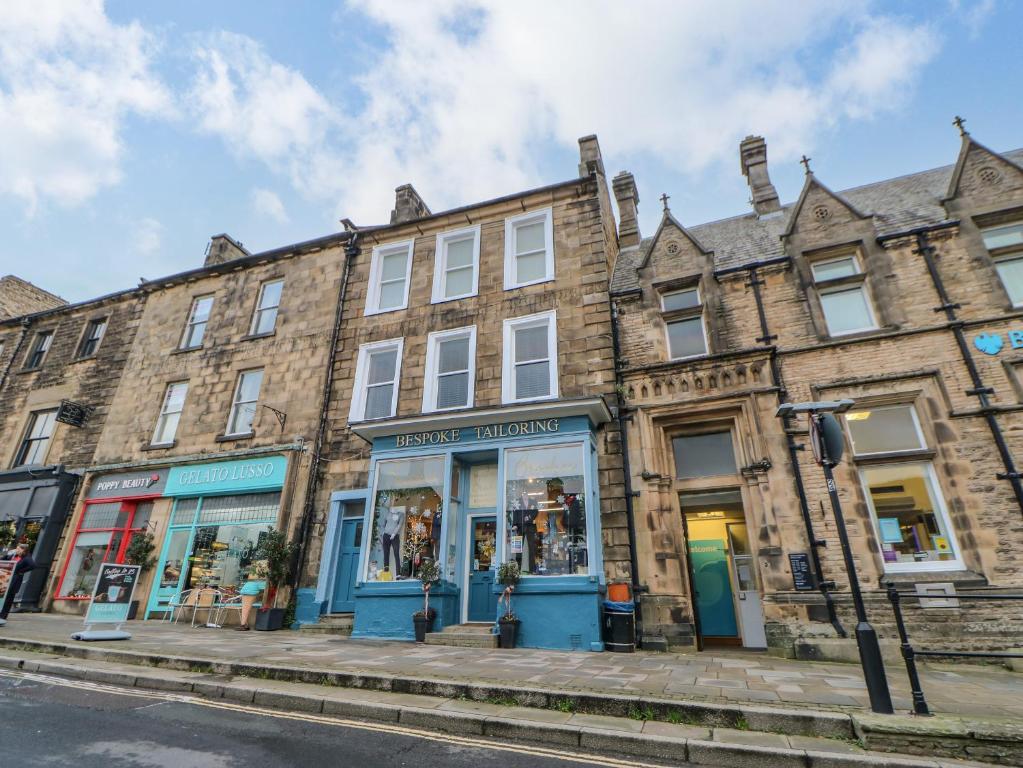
(715, 677)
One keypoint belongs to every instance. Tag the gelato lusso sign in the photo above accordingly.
(993, 343)
(263, 473)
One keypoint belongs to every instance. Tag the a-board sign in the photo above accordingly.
(112, 595)
(802, 576)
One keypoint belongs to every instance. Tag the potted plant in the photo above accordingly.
(140, 552)
(508, 575)
(278, 553)
(422, 620)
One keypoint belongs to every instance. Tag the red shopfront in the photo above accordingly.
(116, 508)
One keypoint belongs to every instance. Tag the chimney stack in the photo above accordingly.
(589, 156)
(408, 205)
(224, 248)
(628, 215)
(753, 156)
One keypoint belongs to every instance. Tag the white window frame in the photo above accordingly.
(1004, 259)
(916, 424)
(260, 309)
(373, 290)
(191, 322)
(161, 420)
(357, 411)
(848, 257)
(703, 328)
(430, 388)
(547, 216)
(940, 509)
(694, 289)
(823, 290)
(440, 269)
(235, 402)
(549, 318)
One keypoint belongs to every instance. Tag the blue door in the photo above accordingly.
(482, 600)
(709, 559)
(347, 563)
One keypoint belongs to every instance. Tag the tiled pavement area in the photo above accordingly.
(720, 676)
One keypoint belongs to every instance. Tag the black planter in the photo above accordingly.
(269, 620)
(509, 633)
(422, 625)
(133, 609)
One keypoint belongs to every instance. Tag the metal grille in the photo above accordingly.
(254, 507)
(184, 512)
(103, 516)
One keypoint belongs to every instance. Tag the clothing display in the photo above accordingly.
(391, 543)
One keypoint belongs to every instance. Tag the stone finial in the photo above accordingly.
(408, 205)
(753, 158)
(590, 160)
(628, 209)
(224, 248)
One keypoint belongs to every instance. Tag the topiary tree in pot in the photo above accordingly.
(422, 620)
(140, 551)
(278, 553)
(508, 575)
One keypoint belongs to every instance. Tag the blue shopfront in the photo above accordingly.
(220, 513)
(470, 491)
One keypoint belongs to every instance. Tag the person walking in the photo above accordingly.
(23, 564)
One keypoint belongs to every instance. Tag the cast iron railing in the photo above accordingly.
(909, 653)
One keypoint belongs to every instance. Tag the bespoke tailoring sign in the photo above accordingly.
(259, 473)
(146, 483)
(487, 432)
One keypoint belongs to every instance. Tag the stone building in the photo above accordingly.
(213, 426)
(903, 295)
(470, 420)
(19, 297)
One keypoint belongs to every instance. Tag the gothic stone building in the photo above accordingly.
(903, 295)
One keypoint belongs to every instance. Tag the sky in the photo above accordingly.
(132, 132)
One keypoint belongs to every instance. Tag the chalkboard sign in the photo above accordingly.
(802, 576)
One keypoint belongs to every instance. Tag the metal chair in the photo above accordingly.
(208, 599)
(227, 604)
(177, 603)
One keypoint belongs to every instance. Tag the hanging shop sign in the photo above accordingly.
(255, 474)
(802, 576)
(72, 413)
(150, 482)
(112, 595)
(993, 343)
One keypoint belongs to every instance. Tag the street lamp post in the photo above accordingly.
(826, 438)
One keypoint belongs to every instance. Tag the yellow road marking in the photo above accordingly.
(565, 755)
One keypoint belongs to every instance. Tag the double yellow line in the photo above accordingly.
(479, 743)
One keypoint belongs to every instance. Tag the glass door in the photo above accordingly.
(482, 548)
(171, 570)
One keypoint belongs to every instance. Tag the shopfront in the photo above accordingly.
(469, 492)
(34, 505)
(117, 507)
(220, 513)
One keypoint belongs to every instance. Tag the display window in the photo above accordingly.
(104, 532)
(545, 499)
(407, 517)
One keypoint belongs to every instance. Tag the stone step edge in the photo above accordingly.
(600, 740)
(792, 722)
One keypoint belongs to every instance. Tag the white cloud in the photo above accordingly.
(267, 203)
(68, 78)
(147, 237)
(462, 95)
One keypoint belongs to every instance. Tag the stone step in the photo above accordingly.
(331, 625)
(480, 628)
(461, 639)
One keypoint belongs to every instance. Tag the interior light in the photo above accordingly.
(857, 416)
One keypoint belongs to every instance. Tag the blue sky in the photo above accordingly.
(130, 133)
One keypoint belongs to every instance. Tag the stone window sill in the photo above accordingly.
(231, 438)
(159, 446)
(895, 456)
(254, 336)
(185, 350)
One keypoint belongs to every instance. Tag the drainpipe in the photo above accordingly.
(25, 323)
(981, 392)
(825, 585)
(309, 509)
(627, 470)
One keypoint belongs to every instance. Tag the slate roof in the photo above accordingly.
(896, 205)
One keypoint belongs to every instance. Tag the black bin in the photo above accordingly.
(619, 627)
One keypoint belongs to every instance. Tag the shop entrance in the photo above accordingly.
(482, 601)
(722, 573)
(349, 545)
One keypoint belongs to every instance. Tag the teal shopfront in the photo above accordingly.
(219, 515)
(469, 492)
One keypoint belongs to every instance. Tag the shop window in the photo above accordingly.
(93, 336)
(1005, 244)
(170, 413)
(40, 346)
(37, 438)
(545, 498)
(529, 249)
(389, 276)
(103, 536)
(906, 505)
(265, 318)
(450, 369)
(456, 265)
(706, 455)
(407, 517)
(243, 407)
(843, 295)
(375, 395)
(198, 317)
(530, 370)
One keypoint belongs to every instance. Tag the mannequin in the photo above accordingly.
(391, 536)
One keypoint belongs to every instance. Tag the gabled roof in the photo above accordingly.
(811, 182)
(895, 205)
(964, 150)
(668, 218)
